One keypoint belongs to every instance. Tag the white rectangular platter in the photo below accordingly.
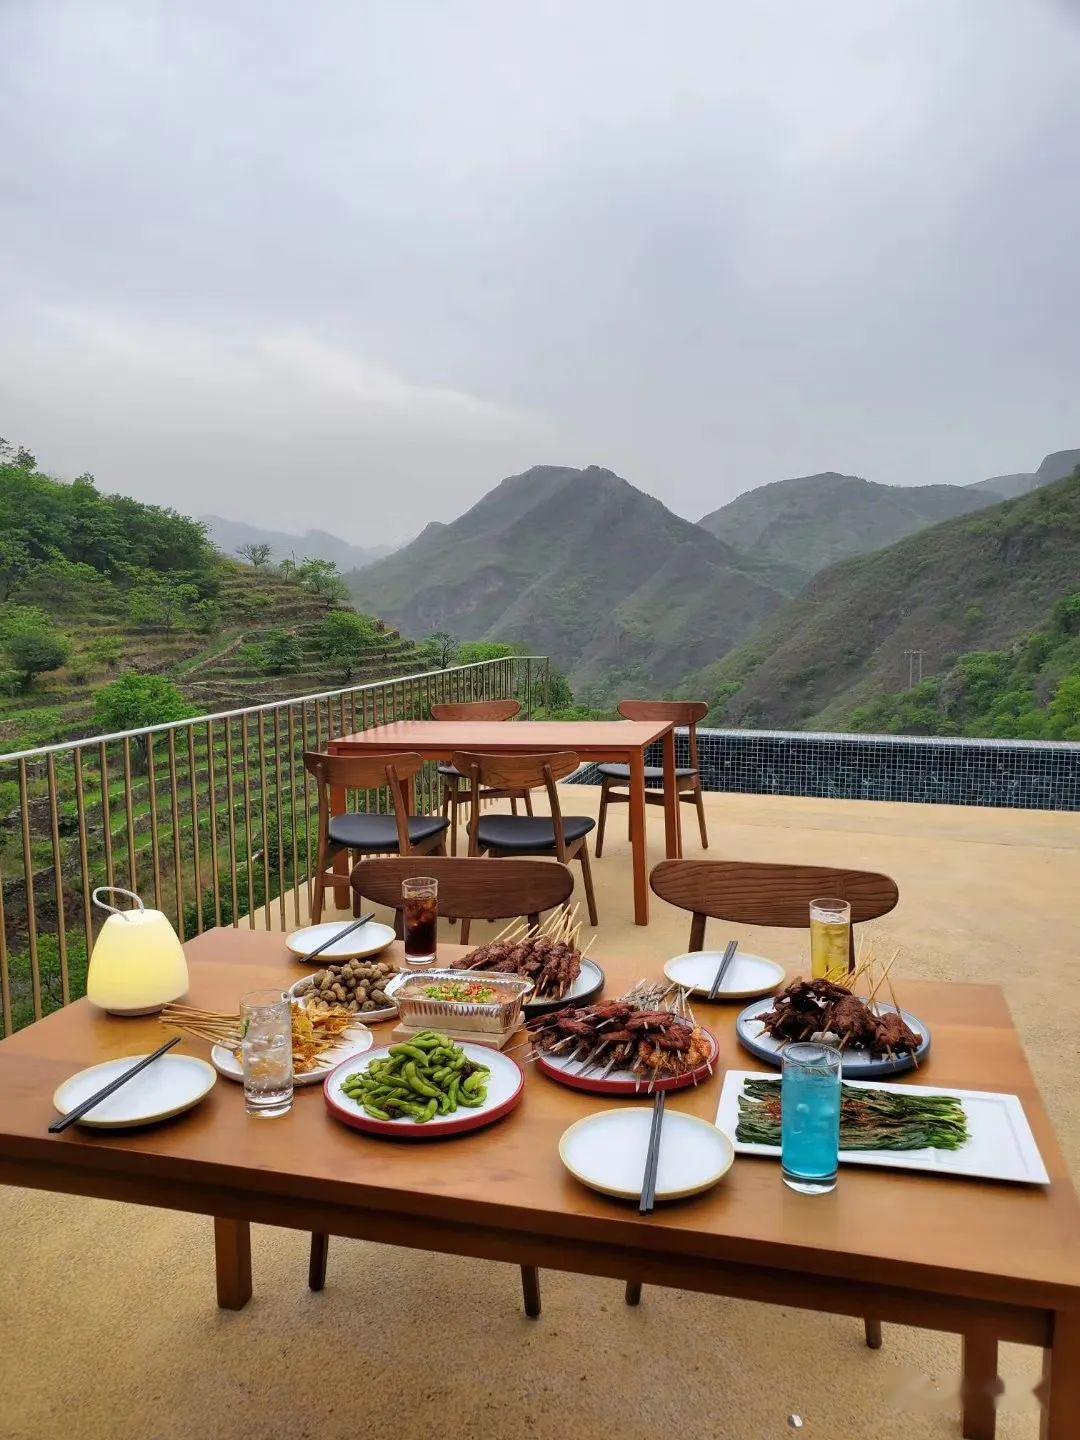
(1000, 1144)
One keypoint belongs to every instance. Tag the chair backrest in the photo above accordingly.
(362, 772)
(470, 888)
(681, 712)
(477, 710)
(758, 893)
(517, 773)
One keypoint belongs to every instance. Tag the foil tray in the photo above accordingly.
(419, 1012)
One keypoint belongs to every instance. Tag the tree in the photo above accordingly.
(160, 601)
(321, 578)
(206, 616)
(34, 646)
(345, 636)
(439, 648)
(287, 568)
(256, 554)
(136, 700)
(281, 653)
(17, 455)
(476, 650)
(15, 563)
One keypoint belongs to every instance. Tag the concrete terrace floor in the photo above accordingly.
(110, 1331)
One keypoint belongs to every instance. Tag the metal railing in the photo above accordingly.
(212, 819)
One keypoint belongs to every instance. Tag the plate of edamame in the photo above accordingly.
(424, 1088)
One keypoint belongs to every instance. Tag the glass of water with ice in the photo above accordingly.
(267, 1052)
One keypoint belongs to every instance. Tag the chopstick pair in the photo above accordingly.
(723, 968)
(107, 1090)
(652, 1156)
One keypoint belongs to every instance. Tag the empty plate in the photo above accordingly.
(369, 939)
(168, 1087)
(606, 1151)
(748, 975)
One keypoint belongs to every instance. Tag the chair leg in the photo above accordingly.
(527, 796)
(700, 803)
(530, 1289)
(633, 1292)
(586, 875)
(453, 790)
(317, 899)
(872, 1330)
(603, 818)
(513, 804)
(464, 932)
(316, 1275)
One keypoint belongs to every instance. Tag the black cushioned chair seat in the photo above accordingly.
(529, 832)
(451, 771)
(654, 774)
(379, 832)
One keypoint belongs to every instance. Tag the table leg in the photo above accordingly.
(232, 1254)
(672, 825)
(637, 837)
(981, 1387)
(339, 802)
(1060, 1389)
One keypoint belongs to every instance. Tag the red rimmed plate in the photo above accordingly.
(624, 1082)
(505, 1085)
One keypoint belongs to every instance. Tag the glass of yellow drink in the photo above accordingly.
(830, 938)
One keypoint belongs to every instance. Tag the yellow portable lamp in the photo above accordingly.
(137, 964)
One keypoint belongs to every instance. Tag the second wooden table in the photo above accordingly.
(622, 742)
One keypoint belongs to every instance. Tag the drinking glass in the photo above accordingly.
(267, 1052)
(810, 1118)
(420, 904)
(830, 938)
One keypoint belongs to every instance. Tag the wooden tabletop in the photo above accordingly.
(587, 737)
(985, 1241)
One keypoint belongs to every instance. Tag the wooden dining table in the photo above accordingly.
(622, 742)
(987, 1261)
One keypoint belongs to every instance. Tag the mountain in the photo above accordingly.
(1055, 467)
(814, 520)
(973, 584)
(228, 535)
(580, 565)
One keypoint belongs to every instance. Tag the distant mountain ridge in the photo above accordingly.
(813, 521)
(227, 535)
(580, 565)
(976, 583)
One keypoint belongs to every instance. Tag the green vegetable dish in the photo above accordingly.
(869, 1119)
(426, 1076)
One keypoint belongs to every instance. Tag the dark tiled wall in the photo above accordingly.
(1018, 774)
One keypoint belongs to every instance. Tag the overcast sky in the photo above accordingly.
(348, 264)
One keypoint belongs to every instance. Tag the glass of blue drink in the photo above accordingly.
(810, 1118)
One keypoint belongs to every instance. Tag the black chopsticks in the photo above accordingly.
(722, 969)
(341, 935)
(96, 1099)
(652, 1155)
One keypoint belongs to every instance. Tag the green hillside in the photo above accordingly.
(579, 565)
(98, 586)
(835, 657)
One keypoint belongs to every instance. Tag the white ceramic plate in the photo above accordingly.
(354, 1041)
(588, 983)
(606, 1151)
(747, 976)
(299, 988)
(1000, 1144)
(506, 1082)
(370, 939)
(168, 1087)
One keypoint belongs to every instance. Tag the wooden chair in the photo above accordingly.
(564, 837)
(455, 792)
(687, 778)
(760, 893)
(361, 833)
(470, 889)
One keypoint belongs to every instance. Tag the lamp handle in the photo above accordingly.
(115, 890)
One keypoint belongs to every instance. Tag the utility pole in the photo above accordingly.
(914, 661)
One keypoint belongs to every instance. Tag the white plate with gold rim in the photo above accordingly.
(168, 1087)
(747, 976)
(607, 1150)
